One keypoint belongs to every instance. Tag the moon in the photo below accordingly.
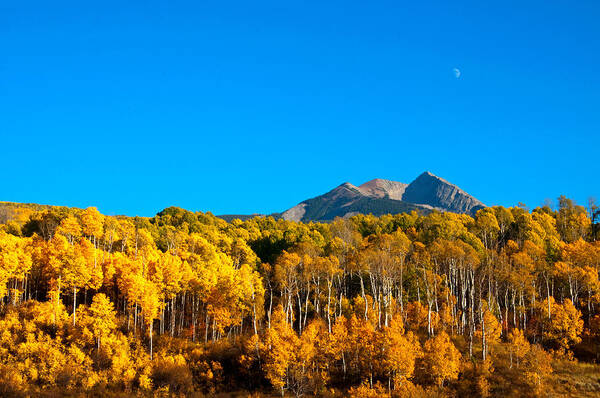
(456, 72)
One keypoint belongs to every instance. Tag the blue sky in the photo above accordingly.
(241, 107)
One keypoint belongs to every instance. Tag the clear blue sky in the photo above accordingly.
(241, 107)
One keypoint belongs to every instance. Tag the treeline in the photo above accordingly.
(401, 305)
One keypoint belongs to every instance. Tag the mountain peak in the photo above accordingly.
(429, 174)
(380, 188)
(429, 189)
(347, 185)
(375, 181)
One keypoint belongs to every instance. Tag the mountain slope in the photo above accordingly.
(319, 207)
(383, 188)
(348, 199)
(429, 189)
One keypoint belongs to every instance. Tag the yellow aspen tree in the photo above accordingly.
(489, 331)
(92, 223)
(364, 346)
(537, 366)
(101, 317)
(441, 359)
(111, 233)
(310, 370)
(565, 325)
(77, 272)
(70, 228)
(339, 344)
(15, 264)
(278, 348)
(126, 234)
(518, 346)
(150, 303)
(400, 352)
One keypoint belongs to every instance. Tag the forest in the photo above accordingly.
(504, 303)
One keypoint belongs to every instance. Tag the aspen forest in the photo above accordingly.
(502, 303)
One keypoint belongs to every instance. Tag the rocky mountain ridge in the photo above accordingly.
(426, 193)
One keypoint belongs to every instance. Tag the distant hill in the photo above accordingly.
(242, 217)
(19, 212)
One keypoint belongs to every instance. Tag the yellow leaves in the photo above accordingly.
(493, 330)
(444, 225)
(167, 272)
(453, 253)
(581, 253)
(484, 370)
(287, 269)
(11, 379)
(327, 266)
(70, 228)
(144, 243)
(310, 367)
(417, 316)
(431, 270)
(278, 349)
(523, 263)
(92, 222)
(250, 290)
(400, 352)
(441, 359)
(364, 346)
(547, 230)
(565, 325)
(365, 391)
(126, 232)
(338, 338)
(208, 374)
(536, 368)
(149, 300)
(51, 312)
(145, 382)
(15, 259)
(101, 318)
(518, 345)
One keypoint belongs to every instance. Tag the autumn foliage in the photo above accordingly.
(405, 305)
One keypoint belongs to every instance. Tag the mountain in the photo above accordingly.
(347, 200)
(429, 189)
(426, 193)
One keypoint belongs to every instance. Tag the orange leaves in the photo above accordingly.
(518, 346)
(418, 318)
(279, 348)
(400, 352)
(15, 259)
(365, 391)
(167, 272)
(100, 318)
(441, 359)
(192, 275)
(92, 222)
(70, 228)
(149, 300)
(536, 368)
(565, 325)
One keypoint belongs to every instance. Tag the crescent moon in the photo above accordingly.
(456, 72)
